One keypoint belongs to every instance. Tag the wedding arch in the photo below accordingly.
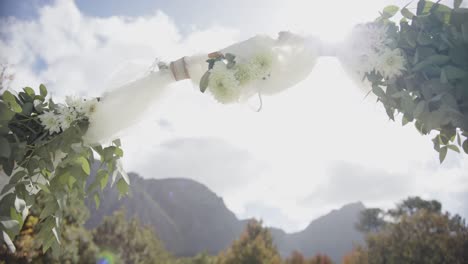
(417, 67)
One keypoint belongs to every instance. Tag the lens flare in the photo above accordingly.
(106, 257)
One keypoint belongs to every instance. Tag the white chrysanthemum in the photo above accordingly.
(244, 73)
(223, 84)
(369, 38)
(66, 117)
(366, 62)
(89, 107)
(261, 64)
(74, 102)
(50, 121)
(391, 63)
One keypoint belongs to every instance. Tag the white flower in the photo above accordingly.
(66, 117)
(243, 73)
(74, 102)
(261, 64)
(223, 84)
(391, 63)
(50, 121)
(369, 38)
(89, 107)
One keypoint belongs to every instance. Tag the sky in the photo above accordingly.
(313, 148)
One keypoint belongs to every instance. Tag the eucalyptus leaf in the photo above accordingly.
(43, 90)
(97, 200)
(465, 146)
(204, 81)
(10, 99)
(29, 91)
(7, 240)
(454, 148)
(406, 13)
(5, 149)
(122, 186)
(442, 154)
(390, 11)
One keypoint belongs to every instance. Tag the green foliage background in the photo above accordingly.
(433, 92)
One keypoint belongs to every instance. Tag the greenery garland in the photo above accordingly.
(42, 151)
(433, 90)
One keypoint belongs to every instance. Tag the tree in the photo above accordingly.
(129, 241)
(76, 243)
(255, 246)
(357, 256)
(370, 220)
(411, 205)
(417, 232)
(320, 259)
(295, 258)
(423, 237)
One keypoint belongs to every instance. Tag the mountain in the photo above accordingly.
(189, 218)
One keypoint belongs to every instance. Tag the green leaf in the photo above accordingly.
(49, 209)
(390, 11)
(29, 91)
(122, 172)
(464, 31)
(453, 72)
(117, 143)
(27, 108)
(465, 146)
(7, 188)
(378, 91)
(204, 81)
(454, 148)
(404, 121)
(7, 240)
(103, 177)
(97, 201)
(122, 186)
(9, 224)
(5, 149)
(84, 165)
(442, 154)
(118, 152)
(17, 176)
(5, 113)
(10, 99)
(406, 13)
(43, 90)
(43, 187)
(419, 109)
(56, 235)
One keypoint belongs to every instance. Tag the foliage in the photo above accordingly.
(129, 241)
(202, 258)
(43, 153)
(77, 244)
(320, 259)
(412, 205)
(416, 232)
(424, 237)
(255, 246)
(433, 91)
(370, 220)
(297, 258)
(357, 256)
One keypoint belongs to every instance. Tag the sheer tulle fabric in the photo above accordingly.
(294, 58)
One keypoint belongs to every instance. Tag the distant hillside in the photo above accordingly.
(190, 218)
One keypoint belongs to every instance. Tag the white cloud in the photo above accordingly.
(277, 157)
